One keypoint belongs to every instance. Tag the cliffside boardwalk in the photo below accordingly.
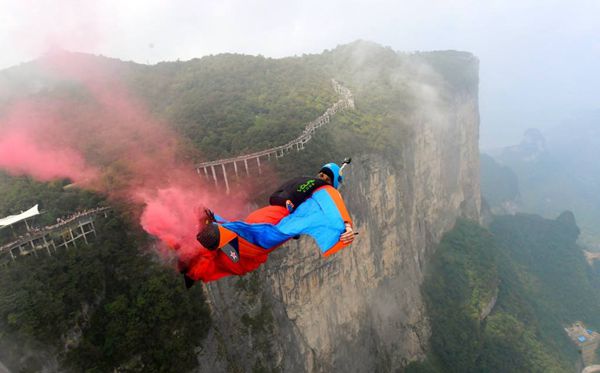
(218, 169)
(65, 233)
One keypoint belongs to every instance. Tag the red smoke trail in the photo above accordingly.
(105, 140)
(20, 156)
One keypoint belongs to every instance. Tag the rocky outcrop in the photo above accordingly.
(591, 257)
(3, 369)
(531, 148)
(485, 312)
(360, 310)
(591, 369)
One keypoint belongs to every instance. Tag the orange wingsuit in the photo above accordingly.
(213, 265)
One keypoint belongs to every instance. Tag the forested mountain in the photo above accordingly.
(218, 102)
(537, 282)
(111, 305)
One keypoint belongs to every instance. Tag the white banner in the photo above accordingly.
(9, 220)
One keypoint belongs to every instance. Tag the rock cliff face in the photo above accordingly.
(360, 310)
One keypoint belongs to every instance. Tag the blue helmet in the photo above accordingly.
(333, 171)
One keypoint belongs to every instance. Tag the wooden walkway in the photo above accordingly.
(68, 232)
(218, 169)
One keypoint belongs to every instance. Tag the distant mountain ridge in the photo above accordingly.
(559, 170)
(530, 149)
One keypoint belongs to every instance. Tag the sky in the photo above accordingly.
(539, 59)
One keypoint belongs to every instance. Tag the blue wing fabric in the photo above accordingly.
(318, 217)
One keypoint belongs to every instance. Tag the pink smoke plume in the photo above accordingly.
(105, 140)
(20, 156)
(169, 217)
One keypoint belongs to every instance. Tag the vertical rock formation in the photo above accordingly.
(360, 310)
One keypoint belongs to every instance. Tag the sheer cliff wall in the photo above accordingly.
(361, 309)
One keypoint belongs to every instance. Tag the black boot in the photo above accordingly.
(182, 267)
(189, 282)
(209, 237)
